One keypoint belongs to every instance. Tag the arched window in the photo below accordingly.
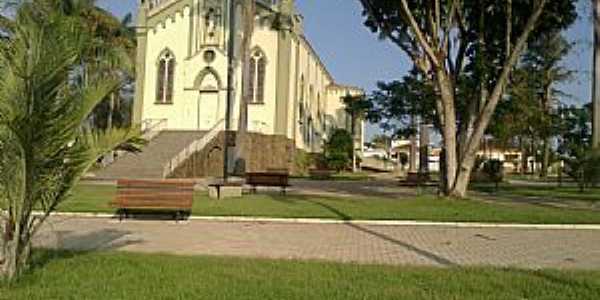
(301, 88)
(258, 69)
(165, 76)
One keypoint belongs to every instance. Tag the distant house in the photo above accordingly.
(512, 158)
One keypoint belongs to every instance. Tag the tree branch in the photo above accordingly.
(420, 37)
(488, 110)
(449, 25)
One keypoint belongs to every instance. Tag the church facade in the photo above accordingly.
(182, 64)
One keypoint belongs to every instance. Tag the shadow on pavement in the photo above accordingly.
(103, 240)
(406, 246)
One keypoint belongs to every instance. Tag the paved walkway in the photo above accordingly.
(394, 245)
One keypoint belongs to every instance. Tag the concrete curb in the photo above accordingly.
(363, 222)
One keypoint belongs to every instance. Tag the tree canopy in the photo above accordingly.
(45, 145)
(467, 51)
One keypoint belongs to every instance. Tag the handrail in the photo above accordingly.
(192, 148)
(152, 127)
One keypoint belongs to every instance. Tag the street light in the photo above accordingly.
(229, 101)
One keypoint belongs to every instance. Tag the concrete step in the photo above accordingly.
(150, 162)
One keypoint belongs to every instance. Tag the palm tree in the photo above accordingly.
(112, 53)
(45, 146)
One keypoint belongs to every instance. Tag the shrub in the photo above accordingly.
(302, 162)
(584, 168)
(338, 150)
(494, 169)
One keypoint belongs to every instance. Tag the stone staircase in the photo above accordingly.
(150, 163)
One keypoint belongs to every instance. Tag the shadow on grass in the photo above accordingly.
(543, 196)
(565, 281)
(69, 245)
(371, 188)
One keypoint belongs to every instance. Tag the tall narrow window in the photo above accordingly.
(301, 110)
(252, 80)
(165, 78)
(258, 70)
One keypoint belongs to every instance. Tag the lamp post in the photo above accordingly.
(230, 95)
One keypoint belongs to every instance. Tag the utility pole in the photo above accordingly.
(596, 77)
(230, 95)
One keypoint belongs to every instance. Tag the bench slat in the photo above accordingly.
(154, 194)
(268, 179)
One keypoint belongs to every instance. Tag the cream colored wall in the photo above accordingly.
(192, 109)
(190, 103)
(335, 106)
(261, 117)
(167, 35)
(315, 76)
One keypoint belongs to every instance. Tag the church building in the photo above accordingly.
(182, 67)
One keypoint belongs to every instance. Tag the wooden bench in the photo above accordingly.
(321, 173)
(268, 179)
(154, 195)
(414, 179)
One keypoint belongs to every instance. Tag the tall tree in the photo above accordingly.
(112, 53)
(596, 76)
(542, 60)
(356, 107)
(518, 118)
(449, 39)
(575, 145)
(398, 105)
(44, 146)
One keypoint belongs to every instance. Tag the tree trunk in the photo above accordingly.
(424, 149)
(463, 175)
(523, 149)
(11, 250)
(449, 129)
(9, 266)
(545, 158)
(596, 76)
(353, 134)
(413, 146)
(111, 109)
(547, 106)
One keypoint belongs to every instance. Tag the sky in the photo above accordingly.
(355, 56)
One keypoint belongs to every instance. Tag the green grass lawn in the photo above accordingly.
(89, 198)
(549, 192)
(111, 275)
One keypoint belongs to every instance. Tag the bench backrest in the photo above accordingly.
(267, 178)
(157, 194)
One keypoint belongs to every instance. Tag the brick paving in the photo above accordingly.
(367, 244)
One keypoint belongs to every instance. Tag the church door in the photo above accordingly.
(208, 110)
